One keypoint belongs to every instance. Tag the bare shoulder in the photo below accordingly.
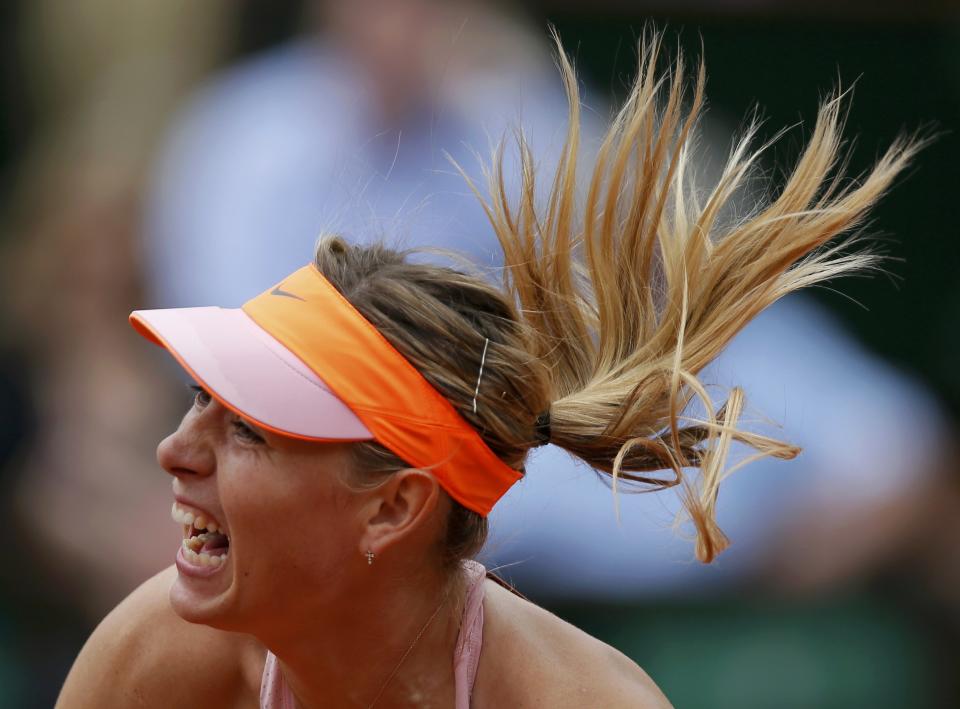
(144, 655)
(532, 658)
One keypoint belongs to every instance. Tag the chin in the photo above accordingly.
(203, 598)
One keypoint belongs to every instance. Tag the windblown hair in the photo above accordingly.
(612, 304)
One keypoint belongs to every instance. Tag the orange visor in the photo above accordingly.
(354, 383)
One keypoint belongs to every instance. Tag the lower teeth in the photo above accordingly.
(201, 558)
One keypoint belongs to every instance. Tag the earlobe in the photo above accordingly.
(402, 508)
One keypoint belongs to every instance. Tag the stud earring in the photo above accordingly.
(370, 556)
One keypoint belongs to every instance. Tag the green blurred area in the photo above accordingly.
(858, 650)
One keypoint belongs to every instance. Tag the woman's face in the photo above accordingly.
(291, 525)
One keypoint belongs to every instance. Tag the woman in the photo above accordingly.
(353, 426)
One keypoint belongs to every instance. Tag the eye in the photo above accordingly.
(246, 433)
(201, 398)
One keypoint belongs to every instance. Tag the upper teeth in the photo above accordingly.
(197, 520)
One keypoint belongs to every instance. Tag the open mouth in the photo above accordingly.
(204, 544)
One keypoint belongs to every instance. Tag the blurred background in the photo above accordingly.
(178, 153)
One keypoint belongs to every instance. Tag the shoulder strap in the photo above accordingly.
(505, 584)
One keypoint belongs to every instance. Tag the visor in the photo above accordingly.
(299, 360)
(250, 373)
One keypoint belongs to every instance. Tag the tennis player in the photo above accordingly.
(354, 425)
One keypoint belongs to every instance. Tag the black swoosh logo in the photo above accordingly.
(276, 291)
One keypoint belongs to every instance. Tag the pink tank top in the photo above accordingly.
(276, 694)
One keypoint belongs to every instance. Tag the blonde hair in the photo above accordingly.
(610, 308)
(632, 295)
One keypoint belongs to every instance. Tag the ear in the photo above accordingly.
(400, 507)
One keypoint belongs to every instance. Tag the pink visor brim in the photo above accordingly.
(250, 372)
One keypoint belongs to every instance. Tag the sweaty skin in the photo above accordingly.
(144, 655)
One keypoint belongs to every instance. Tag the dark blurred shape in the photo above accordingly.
(854, 11)
(261, 24)
(17, 118)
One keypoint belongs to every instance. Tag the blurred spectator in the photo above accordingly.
(346, 132)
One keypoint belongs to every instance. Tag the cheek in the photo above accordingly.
(293, 534)
(310, 541)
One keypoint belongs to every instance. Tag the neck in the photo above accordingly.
(346, 653)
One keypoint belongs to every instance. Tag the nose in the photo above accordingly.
(188, 450)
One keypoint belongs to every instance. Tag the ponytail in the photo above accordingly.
(631, 294)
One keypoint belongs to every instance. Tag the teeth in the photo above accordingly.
(193, 543)
(190, 519)
(203, 558)
(196, 542)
